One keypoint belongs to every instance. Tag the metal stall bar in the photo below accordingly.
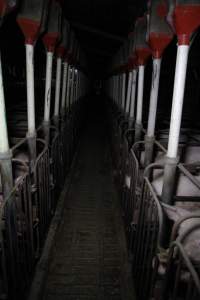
(160, 35)
(183, 12)
(61, 51)
(65, 66)
(6, 174)
(143, 52)
(30, 18)
(50, 40)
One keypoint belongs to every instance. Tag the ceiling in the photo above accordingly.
(101, 26)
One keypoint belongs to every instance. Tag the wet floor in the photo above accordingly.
(89, 260)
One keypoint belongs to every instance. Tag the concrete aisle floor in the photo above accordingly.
(89, 260)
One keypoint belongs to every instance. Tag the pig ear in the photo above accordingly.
(174, 213)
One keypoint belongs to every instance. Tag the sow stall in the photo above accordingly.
(156, 190)
(32, 169)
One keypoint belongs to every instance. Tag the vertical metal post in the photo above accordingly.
(5, 153)
(31, 134)
(175, 123)
(132, 104)
(64, 84)
(118, 90)
(68, 88)
(72, 87)
(123, 91)
(128, 97)
(138, 123)
(47, 102)
(57, 93)
(149, 139)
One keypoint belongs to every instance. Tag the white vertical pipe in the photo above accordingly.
(30, 89)
(77, 83)
(117, 92)
(64, 84)
(128, 98)
(72, 86)
(47, 103)
(140, 95)
(123, 90)
(114, 89)
(177, 101)
(154, 97)
(58, 82)
(133, 90)
(68, 86)
(4, 145)
(118, 89)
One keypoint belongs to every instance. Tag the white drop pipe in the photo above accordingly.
(123, 90)
(154, 97)
(58, 83)
(72, 86)
(177, 100)
(140, 95)
(47, 101)
(68, 87)
(128, 97)
(114, 89)
(133, 92)
(30, 89)
(117, 89)
(117, 94)
(64, 84)
(77, 84)
(4, 144)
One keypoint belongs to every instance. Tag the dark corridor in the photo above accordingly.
(89, 259)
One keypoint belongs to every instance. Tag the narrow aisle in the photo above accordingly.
(89, 260)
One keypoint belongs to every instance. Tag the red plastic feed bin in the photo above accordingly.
(143, 55)
(52, 35)
(142, 49)
(62, 46)
(132, 62)
(160, 33)
(50, 40)
(30, 19)
(60, 51)
(186, 19)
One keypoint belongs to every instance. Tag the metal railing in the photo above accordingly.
(180, 277)
(148, 219)
(56, 167)
(26, 213)
(17, 237)
(147, 229)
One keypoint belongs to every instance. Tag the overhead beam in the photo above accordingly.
(97, 32)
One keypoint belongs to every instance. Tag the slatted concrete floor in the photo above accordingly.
(89, 259)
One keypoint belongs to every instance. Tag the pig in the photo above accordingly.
(190, 241)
